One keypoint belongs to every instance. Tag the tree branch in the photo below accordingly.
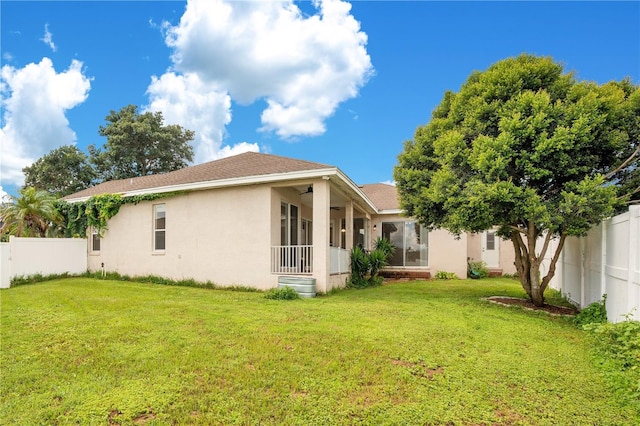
(554, 261)
(545, 245)
(624, 164)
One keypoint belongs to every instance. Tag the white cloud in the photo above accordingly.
(195, 105)
(48, 38)
(302, 66)
(4, 197)
(34, 100)
(389, 182)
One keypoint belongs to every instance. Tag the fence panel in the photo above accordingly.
(570, 278)
(5, 265)
(46, 256)
(606, 261)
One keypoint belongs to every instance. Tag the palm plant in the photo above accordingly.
(32, 214)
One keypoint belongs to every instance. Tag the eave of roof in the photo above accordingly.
(220, 183)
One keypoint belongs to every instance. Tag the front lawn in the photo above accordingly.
(87, 351)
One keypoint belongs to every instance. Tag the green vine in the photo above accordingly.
(97, 211)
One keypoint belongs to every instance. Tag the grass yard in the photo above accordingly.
(85, 351)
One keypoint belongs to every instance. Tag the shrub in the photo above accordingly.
(36, 278)
(284, 293)
(618, 353)
(359, 268)
(366, 266)
(443, 275)
(477, 269)
(385, 246)
(595, 313)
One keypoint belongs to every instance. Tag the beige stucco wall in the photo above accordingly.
(447, 253)
(474, 247)
(507, 257)
(207, 238)
(221, 235)
(474, 250)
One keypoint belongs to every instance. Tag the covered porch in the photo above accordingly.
(315, 224)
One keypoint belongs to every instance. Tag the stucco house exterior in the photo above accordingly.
(252, 218)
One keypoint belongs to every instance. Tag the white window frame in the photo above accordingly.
(94, 234)
(290, 238)
(156, 209)
(306, 232)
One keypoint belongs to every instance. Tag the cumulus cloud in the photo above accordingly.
(34, 100)
(4, 197)
(48, 38)
(302, 66)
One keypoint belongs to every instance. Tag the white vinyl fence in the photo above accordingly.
(46, 256)
(606, 261)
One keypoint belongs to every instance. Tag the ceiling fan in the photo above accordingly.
(308, 191)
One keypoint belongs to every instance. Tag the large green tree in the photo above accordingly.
(32, 214)
(139, 145)
(61, 172)
(525, 147)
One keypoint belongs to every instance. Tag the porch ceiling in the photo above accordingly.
(337, 200)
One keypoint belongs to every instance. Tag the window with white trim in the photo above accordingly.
(95, 240)
(159, 227)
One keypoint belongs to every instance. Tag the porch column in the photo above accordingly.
(348, 224)
(321, 218)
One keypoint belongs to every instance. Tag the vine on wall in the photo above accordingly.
(97, 211)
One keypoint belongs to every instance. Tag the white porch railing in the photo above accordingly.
(339, 260)
(292, 259)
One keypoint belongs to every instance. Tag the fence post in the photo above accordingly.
(603, 257)
(633, 296)
(5, 265)
(582, 271)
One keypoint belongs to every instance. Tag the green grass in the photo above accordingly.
(86, 351)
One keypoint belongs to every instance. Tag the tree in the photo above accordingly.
(140, 145)
(526, 148)
(33, 214)
(61, 172)
(627, 174)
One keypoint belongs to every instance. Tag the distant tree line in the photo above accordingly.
(137, 145)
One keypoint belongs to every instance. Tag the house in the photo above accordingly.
(252, 218)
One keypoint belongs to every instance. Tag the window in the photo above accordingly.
(95, 240)
(491, 240)
(306, 237)
(159, 227)
(411, 242)
(358, 233)
(288, 224)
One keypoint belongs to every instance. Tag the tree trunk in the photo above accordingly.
(528, 262)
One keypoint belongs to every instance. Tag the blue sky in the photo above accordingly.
(338, 83)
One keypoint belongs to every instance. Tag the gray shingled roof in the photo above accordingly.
(238, 166)
(384, 196)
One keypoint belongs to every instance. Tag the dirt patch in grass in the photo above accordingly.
(527, 304)
(145, 418)
(418, 368)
